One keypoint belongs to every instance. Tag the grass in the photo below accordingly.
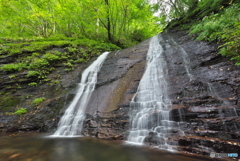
(39, 57)
(33, 60)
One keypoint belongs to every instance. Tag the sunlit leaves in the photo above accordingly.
(93, 19)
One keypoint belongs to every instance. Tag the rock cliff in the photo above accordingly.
(204, 90)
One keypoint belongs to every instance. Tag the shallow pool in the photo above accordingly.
(37, 148)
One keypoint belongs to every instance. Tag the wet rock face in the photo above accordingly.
(45, 116)
(153, 139)
(118, 79)
(203, 87)
(42, 120)
(113, 128)
(117, 83)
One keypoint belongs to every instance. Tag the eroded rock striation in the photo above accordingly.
(204, 90)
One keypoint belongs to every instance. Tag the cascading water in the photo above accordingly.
(71, 122)
(151, 104)
(214, 92)
(186, 60)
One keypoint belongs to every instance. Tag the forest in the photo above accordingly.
(122, 22)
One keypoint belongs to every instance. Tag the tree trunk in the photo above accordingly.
(108, 26)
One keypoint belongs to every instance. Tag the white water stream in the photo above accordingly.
(151, 104)
(71, 122)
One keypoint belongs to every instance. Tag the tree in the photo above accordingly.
(191, 9)
(119, 21)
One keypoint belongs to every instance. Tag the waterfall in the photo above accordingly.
(186, 60)
(214, 92)
(71, 122)
(151, 105)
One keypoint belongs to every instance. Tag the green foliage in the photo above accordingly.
(12, 76)
(72, 49)
(33, 73)
(105, 20)
(51, 57)
(223, 27)
(105, 47)
(7, 102)
(37, 101)
(20, 111)
(41, 45)
(33, 84)
(207, 7)
(69, 64)
(231, 47)
(217, 21)
(15, 51)
(38, 63)
(80, 60)
(13, 67)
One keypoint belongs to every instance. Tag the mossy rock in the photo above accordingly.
(7, 102)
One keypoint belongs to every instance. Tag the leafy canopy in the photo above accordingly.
(122, 22)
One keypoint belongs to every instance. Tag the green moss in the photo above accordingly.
(37, 101)
(20, 111)
(38, 63)
(38, 58)
(33, 73)
(33, 84)
(51, 57)
(13, 67)
(7, 102)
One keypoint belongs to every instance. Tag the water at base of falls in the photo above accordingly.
(151, 105)
(70, 124)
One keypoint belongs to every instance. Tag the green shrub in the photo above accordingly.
(13, 67)
(38, 63)
(80, 60)
(51, 57)
(20, 111)
(231, 47)
(106, 47)
(224, 28)
(33, 84)
(15, 51)
(37, 101)
(12, 76)
(72, 49)
(68, 64)
(35, 55)
(33, 73)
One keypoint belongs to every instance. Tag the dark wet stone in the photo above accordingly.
(153, 139)
(211, 144)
